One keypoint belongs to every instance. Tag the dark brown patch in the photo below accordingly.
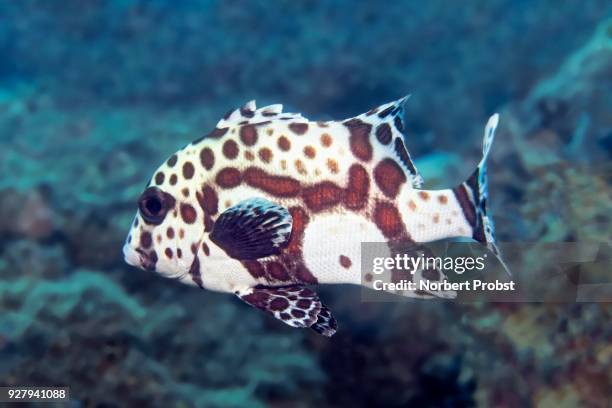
(345, 261)
(188, 213)
(389, 177)
(208, 200)
(442, 199)
(205, 249)
(159, 178)
(300, 220)
(298, 128)
(401, 151)
(388, 220)
(466, 204)
(383, 133)
(304, 275)
(265, 155)
(207, 158)
(297, 313)
(385, 112)
(146, 240)
(217, 133)
(358, 187)
(170, 232)
(179, 253)
(310, 152)
(398, 124)
(284, 144)
(303, 303)
(322, 196)
(360, 138)
(277, 271)
(173, 179)
(168, 253)
(326, 140)
(172, 160)
(332, 165)
(185, 192)
(194, 271)
(229, 177)
(188, 170)
(230, 149)
(424, 195)
(279, 303)
(181, 233)
(280, 186)
(254, 268)
(248, 135)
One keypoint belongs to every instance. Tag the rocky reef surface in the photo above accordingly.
(93, 95)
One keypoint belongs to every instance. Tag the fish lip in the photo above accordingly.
(132, 257)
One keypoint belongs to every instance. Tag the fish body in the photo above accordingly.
(269, 203)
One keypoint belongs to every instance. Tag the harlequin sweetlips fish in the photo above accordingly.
(270, 203)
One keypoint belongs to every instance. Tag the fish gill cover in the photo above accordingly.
(94, 95)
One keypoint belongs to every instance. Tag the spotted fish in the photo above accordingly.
(269, 204)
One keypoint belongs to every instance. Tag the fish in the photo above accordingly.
(270, 204)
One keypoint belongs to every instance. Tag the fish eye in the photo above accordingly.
(154, 205)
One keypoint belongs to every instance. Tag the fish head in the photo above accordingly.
(168, 226)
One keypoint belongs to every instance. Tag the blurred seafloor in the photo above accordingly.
(95, 94)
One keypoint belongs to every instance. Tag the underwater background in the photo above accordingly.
(94, 95)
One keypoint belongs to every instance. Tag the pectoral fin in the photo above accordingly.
(252, 229)
(296, 306)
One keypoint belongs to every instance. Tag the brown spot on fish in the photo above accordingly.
(326, 140)
(229, 177)
(332, 165)
(205, 249)
(412, 205)
(284, 144)
(358, 187)
(277, 271)
(388, 220)
(172, 160)
(207, 158)
(389, 177)
(298, 128)
(170, 232)
(230, 149)
(168, 253)
(173, 179)
(360, 138)
(208, 200)
(423, 195)
(217, 133)
(255, 269)
(146, 240)
(442, 199)
(159, 178)
(280, 186)
(249, 155)
(310, 152)
(300, 220)
(248, 135)
(188, 170)
(345, 261)
(194, 272)
(383, 133)
(299, 166)
(265, 155)
(188, 213)
(179, 253)
(322, 196)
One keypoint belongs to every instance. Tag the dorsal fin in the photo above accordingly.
(388, 127)
(249, 114)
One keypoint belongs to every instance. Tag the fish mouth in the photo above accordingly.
(137, 257)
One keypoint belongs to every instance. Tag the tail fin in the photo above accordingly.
(473, 193)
